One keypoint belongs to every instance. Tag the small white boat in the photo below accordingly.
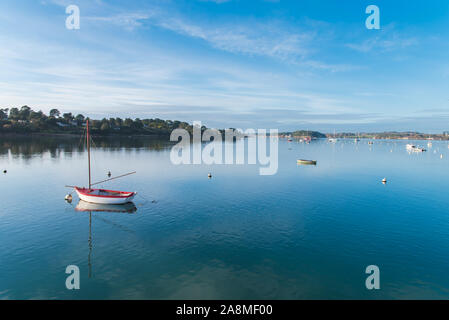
(102, 196)
(412, 147)
(332, 139)
(306, 162)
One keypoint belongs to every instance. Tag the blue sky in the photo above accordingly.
(247, 64)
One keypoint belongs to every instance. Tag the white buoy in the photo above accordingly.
(384, 180)
(441, 156)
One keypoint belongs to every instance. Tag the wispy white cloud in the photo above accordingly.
(129, 21)
(274, 39)
(384, 43)
(268, 39)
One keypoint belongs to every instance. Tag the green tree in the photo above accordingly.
(128, 122)
(4, 114)
(54, 113)
(24, 113)
(79, 118)
(68, 116)
(14, 114)
(104, 126)
(36, 115)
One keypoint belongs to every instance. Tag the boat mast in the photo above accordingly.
(88, 148)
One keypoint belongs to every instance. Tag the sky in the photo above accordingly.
(286, 65)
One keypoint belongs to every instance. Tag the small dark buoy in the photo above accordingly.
(4, 171)
(68, 198)
(209, 175)
(109, 173)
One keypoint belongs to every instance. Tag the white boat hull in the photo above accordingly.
(104, 199)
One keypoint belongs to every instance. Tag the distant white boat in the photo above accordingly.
(412, 147)
(333, 139)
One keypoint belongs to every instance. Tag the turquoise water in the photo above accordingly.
(307, 232)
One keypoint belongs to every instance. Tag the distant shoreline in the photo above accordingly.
(76, 135)
(167, 137)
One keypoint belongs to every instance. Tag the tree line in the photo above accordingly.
(27, 120)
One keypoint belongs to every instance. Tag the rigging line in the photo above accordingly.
(145, 199)
(123, 175)
(82, 138)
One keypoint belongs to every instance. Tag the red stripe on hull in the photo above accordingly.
(87, 192)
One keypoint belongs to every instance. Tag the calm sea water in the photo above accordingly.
(306, 232)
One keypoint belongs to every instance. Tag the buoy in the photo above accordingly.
(68, 198)
(209, 175)
(109, 173)
(384, 180)
(4, 171)
(441, 156)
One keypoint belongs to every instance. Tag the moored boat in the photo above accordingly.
(308, 162)
(412, 147)
(102, 196)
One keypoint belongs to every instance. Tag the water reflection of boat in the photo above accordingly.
(306, 162)
(97, 207)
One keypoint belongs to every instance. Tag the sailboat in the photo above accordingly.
(333, 139)
(102, 196)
